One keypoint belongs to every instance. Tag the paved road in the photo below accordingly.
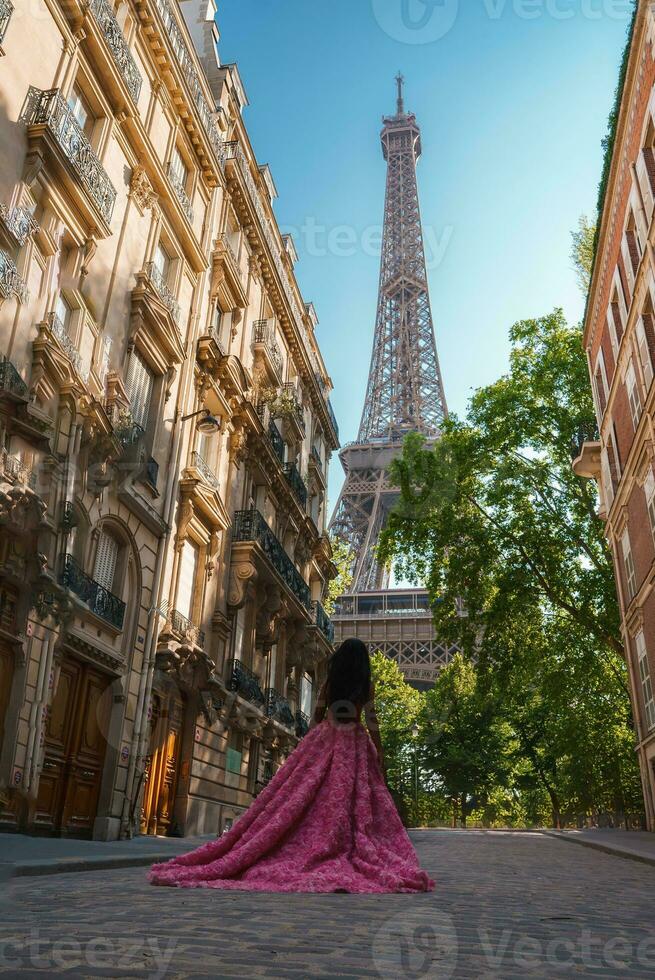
(507, 905)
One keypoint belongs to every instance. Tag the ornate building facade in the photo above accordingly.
(619, 336)
(165, 432)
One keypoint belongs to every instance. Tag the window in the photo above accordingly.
(616, 321)
(63, 312)
(138, 386)
(306, 686)
(235, 752)
(629, 566)
(649, 490)
(646, 170)
(607, 481)
(239, 629)
(645, 323)
(162, 263)
(104, 568)
(178, 167)
(81, 111)
(187, 579)
(600, 386)
(645, 678)
(633, 394)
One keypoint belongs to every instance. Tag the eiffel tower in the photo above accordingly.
(404, 394)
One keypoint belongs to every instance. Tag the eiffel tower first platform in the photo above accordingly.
(404, 394)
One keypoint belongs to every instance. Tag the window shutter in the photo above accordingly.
(646, 681)
(138, 385)
(105, 563)
(644, 352)
(644, 172)
(627, 261)
(606, 479)
(187, 579)
(633, 393)
(104, 365)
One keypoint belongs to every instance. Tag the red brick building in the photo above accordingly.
(619, 337)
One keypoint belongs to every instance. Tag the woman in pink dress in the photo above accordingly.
(326, 821)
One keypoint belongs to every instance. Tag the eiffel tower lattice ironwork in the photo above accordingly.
(404, 394)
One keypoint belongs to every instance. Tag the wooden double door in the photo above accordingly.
(163, 764)
(75, 745)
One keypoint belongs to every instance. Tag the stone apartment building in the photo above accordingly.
(165, 432)
(619, 336)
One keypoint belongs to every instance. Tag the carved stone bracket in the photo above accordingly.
(141, 190)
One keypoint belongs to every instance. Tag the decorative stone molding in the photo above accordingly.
(141, 190)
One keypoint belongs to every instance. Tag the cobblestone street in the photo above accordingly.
(506, 905)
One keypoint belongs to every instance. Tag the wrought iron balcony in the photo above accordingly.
(6, 10)
(205, 470)
(11, 382)
(216, 337)
(160, 285)
(19, 222)
(68, 516)
(11, 282)
(296, 483)
(277, 442)
(263, 334)
(245, 683)
(59, 331)
(302, 724)
(99, 599)
(277, 707)
(180, 192)
(185, 628)
(14, 470)
(113, 35)
(323, 621)
(290, 392)
(227, 245)
(50, 109)
(185, 61)
(249, 525)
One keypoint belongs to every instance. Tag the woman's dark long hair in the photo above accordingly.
(349, 675)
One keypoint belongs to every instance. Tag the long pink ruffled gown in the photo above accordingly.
(324, 823)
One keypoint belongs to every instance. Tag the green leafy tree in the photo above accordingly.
(582, 251)
(508, 541)
(342, 556)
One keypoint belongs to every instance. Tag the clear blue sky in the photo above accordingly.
(512, 112)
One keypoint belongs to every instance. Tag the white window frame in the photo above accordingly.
(600, 362)
(139, 383)
(607, 484)
(632, 389)
(649, 493)
(187, 577)
(106, 559)
(645, 680)
(179, 167)
(629, 566)
(644, 352)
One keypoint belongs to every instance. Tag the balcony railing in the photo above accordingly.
(185, 628)
(11, 282)
(289, 393)
(296, 483)
(113, 35)
(205, 470)
(586, 433)
(249, 525)
(160, 285)
(227, 245)
(333, 418)
(215, 334)
(49, 108)
(6, 10)
(15, 470)
(277, 707)
(263, 334)
(130, 435)
(191, 78)
(66, 344)
(302, 724)
(244, 682)
(277, 442)
(323, 621)
(18, 221)
(180, 192)
(11, 382)
(99, 599)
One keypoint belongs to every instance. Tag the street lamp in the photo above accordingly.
(208, 424)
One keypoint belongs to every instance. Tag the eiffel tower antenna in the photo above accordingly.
(404, 394)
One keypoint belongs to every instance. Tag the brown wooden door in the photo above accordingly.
(74, 752)
(163, 766)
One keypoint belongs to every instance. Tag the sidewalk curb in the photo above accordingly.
(615, 850)
(58, 866)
